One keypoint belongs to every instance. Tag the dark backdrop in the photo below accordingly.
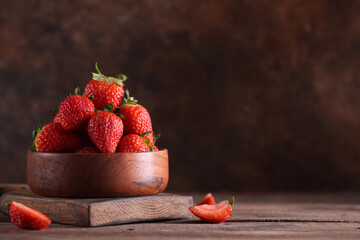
(248, 95)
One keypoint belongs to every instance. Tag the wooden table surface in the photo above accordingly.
(255, 216)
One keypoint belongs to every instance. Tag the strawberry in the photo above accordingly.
(88, 149)
(27, 218)
(208, 199)
(53, 138)
(105, 130)
(105, 90)
(136, 118)
(75, 111)
(155, 148)
(134, 143)
(216, 213)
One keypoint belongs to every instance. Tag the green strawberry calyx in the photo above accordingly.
(119, 79)
(232, 201)
(147, 141)
(145, 133)
(108, 108)
(35, 132)
(78, 92)
(54, 112)
(128, 100)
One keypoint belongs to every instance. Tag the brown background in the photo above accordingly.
(248, 95)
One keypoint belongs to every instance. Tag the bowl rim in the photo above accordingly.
(29, 151)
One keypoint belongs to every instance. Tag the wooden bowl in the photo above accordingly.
(94, 175)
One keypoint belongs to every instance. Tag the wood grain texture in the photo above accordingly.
(139, 209)
(104, 211)
(182, 229)
(8, 187)
(267, 221)
(102, 175)
(237, 227)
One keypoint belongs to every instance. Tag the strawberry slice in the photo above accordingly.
(208, 199)
(216, 213)
(27, 218)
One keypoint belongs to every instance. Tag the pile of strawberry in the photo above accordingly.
(101, 120)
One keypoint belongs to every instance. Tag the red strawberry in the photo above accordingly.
(136, 118)
(88, 149)
(27, 218)
(53, 138)
(208, 199)
(105, 90)
(133, 143)
(216, 213)
(75, 111)
(105, 130)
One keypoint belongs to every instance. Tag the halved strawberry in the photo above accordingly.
(27, 218)
(208, 199)
(216, 213)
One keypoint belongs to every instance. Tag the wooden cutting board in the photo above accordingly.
(105, 211)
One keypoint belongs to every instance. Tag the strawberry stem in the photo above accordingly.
(7, 204)
(232, 201)
(128, 99)
(97, 69)
(119, 79)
